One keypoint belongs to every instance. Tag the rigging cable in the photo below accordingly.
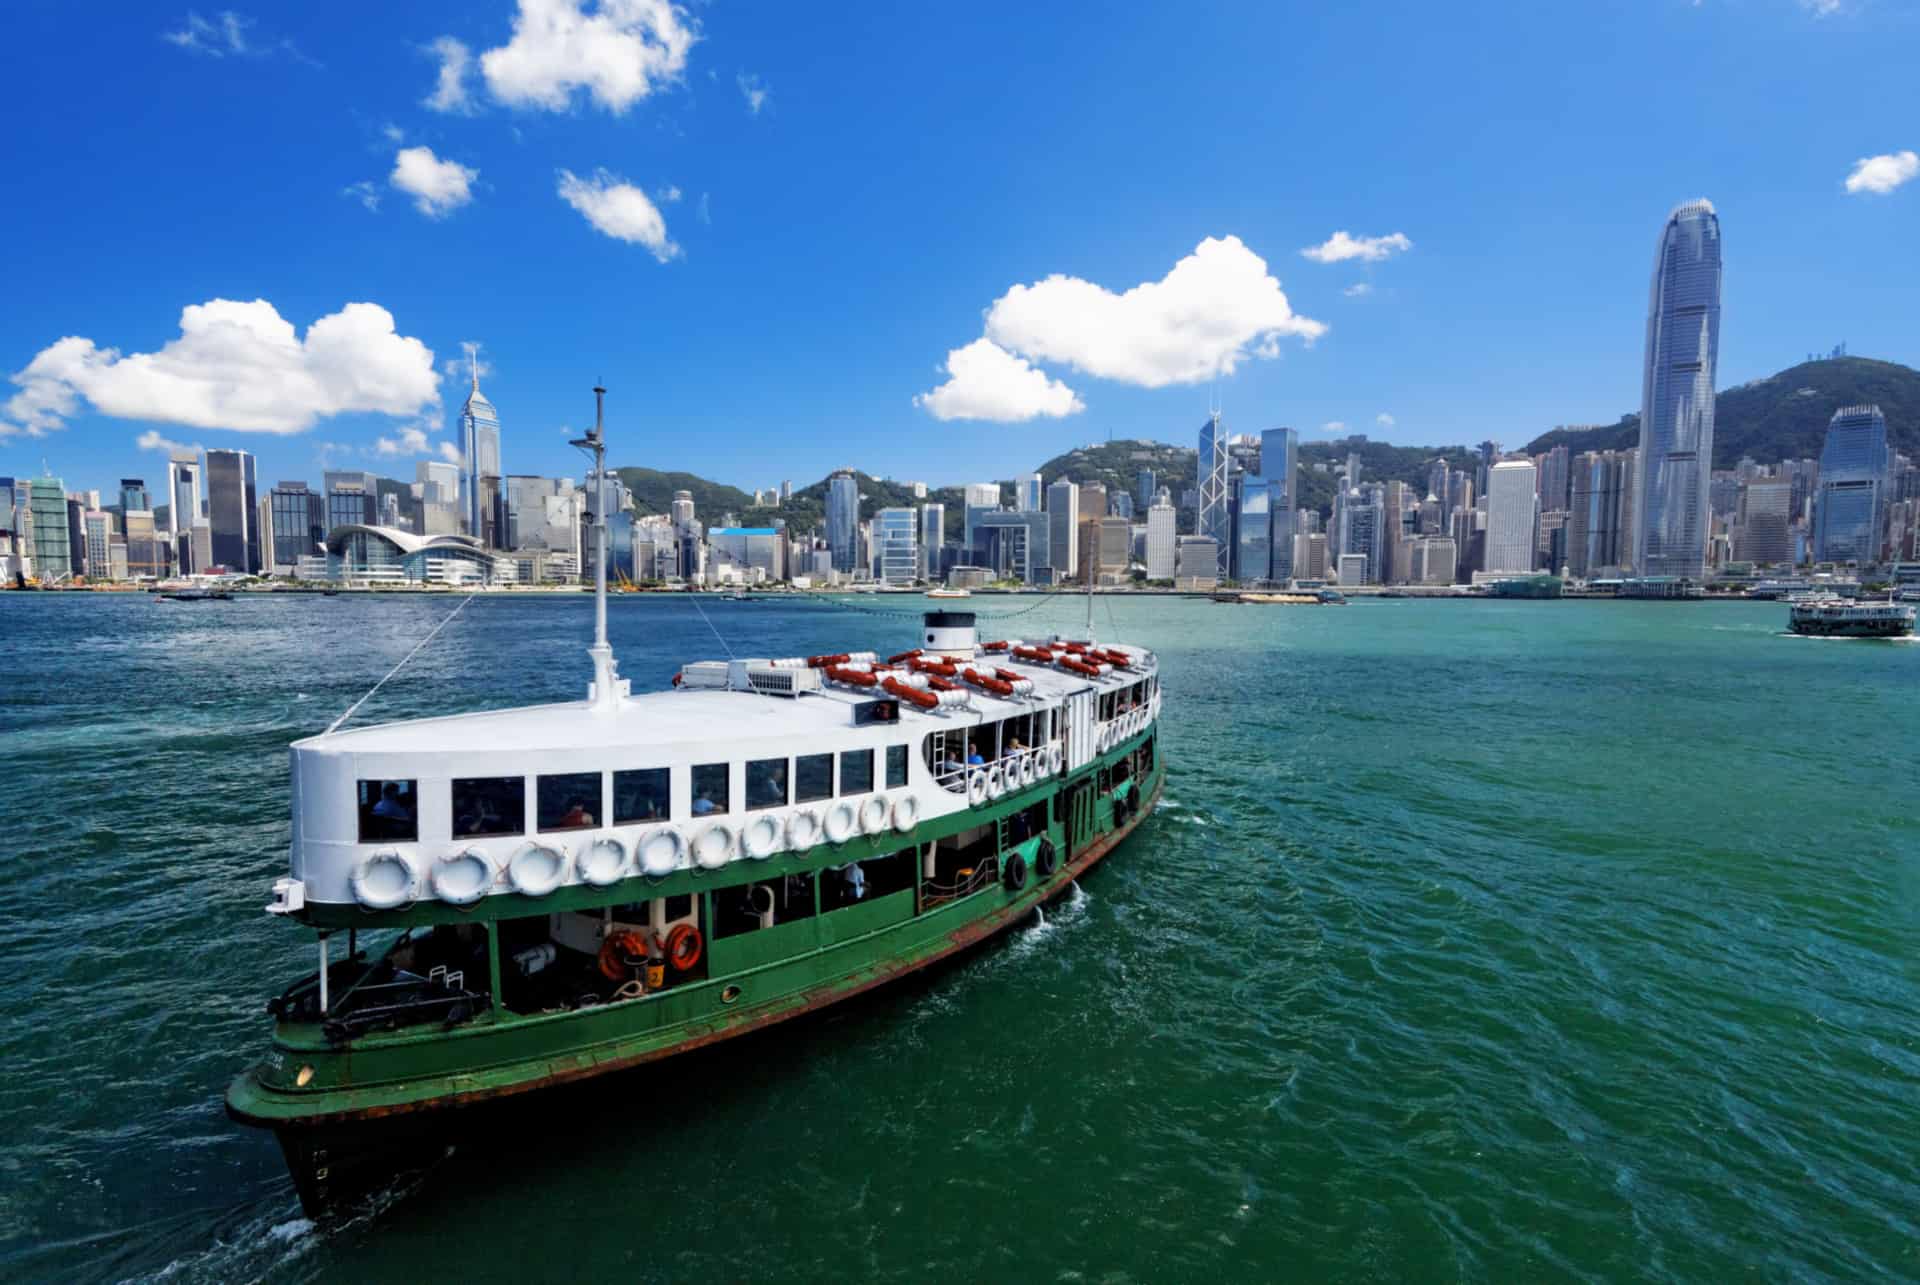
(397, 668)
(694, 598)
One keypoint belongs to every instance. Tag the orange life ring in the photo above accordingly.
(684, 947)
(621, 953)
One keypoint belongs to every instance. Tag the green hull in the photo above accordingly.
(393, 1083)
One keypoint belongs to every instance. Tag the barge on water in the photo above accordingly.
(579, 889)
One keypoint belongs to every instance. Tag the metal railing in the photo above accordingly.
(965, 884)
(954, 777)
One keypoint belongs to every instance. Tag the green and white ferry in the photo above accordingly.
(537, 896)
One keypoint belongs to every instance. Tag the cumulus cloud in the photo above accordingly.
(1358, 289)
(619, 53)
(619, 209)
(450, 88)
(411, 441)
(450, 453)
(237, 366)
(985, 381)
(1823, 8)
(1383, 419)
(364, 192)
(754, 90)
(152, 441)
(1335, 427)
(1343, 245)
(438, 187)
(468, 365)
(1215, 308)
(1881, 174)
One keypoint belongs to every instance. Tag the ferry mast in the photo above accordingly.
(606, 689)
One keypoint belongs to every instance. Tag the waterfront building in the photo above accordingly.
(96, 531)
(896, 548)
(52, 539)
(1763, 533)
(133, 494)
(1161, 535)
(843, 518)
(1146, 485)
(1106, 544)
(1513, 518)
(1850, 503)
(1676, 405)
(233, 503)
(185, 513)
(1555, 473)
(1253, 531)
(756, 550)
(362, 554)
(1013, 544)
(1197, 562)
(480, 456)
(299, 525)
(148, 549)
(1362, 518)
(1601, 516)
(978, 498)
(1433, 561)
(1030, 493)
(1063, 528)
(1310, 555)
(1352, 569)
(1213, 518)
(933, 539)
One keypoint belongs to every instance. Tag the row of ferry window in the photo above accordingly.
(493, 806)
(1125, 699)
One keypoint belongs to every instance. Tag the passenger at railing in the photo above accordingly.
(856, 880)
(947, 765)
(974, 757)
(1014, 746)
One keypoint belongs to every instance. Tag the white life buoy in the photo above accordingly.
(662, 852)
(841, 822)
(1026, 768)
(874, 814)
(1055, 759)
(386, 879)
(713, 846)
(1042, 757)
(760, 838)
(906, 813)
(803, 830)
(462, 877)
(537, 869)
(996, 782)
(1100, 741)
(602, 862)
(977, 786)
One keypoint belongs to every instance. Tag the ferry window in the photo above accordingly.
(388, 811)
(569, 801)
(766, 784)
(487, 805)
(678, 908)
(856, 771)
(751, 907)
(896, 766)
(812, 777)
(858, 881)
(710, 789)
(640, 795)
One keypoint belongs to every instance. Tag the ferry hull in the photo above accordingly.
(1889, 628)
(355, 1142)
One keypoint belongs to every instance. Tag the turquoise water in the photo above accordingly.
(1489, 941)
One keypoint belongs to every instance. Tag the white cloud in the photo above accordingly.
(1823, 8)
(619, 209)
(450, 453)
(450, 88)
(365, 192)
(620, 53)
(1383, 419)
(754, 90)
(1881, 174)
(152, 441)
(393, 133)
(668, 194)
(469, 363)
(1213, 309)
(227, 34)
(988, 382)
(438, 187)
(1358, 289)
(237, 366)
(412, 441)
(1342, 246)
(1335, 427)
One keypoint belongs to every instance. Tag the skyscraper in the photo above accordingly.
(1063, 528)
(1213, 519)
(133, 494)
(980, 497)
(1513, 516)
(299, 525)
(1146, 486)
(1093, 501)
(843, 517)
(1161, 537)
(1601, 514)
(933, 539)
(1253, 543)
(52, 541)
(480, 454)
(1671, 517)
(1031, 493)
(1764, 535)
(233, 500)
(896, 550)
(1850, 503)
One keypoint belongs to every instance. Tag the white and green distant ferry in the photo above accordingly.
(576, 890)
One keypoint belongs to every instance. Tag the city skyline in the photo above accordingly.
(1379, 317)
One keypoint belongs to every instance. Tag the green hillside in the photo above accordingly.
(653, 493)
(1783, 416)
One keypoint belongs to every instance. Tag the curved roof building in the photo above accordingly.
(1675, 463)
(356, 551)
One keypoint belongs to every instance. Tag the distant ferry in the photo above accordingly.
(1838, 618)
(949, 593)
(579, 889)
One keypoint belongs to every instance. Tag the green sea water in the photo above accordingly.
(1472, 941)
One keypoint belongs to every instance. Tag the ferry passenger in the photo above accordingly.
(576, 816)
(1014, 746)
(702, 806)
(973, 755)
(856, 880)
(390, 807)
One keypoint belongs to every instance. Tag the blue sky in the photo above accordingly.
(799, 212)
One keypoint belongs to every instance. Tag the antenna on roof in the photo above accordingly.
(607, 687)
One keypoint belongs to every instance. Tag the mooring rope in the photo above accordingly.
(397, 668)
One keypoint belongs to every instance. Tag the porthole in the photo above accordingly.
(730, 994)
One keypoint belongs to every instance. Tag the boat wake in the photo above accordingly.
(273, 1241)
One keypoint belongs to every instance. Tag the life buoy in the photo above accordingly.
(601, 862)
(977, 786)
(760, 838)
(874, 815)
(1041, 762)
(1045, 860)
(684, 947)
(1055, 758)
(537, 869)
(1026, 768)
(386, 879)
(621, 954)
(713, 846)
(463, 877)
(996, 782)
(1015, 875)
(1100, 741)
(662, 852)
(803, 830)
(906, 813)
(840, 822)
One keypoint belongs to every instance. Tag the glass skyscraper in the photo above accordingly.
(896, 549)
(1215, 519)
(843, 519)
(1675, 462)
(1850, 505)
(233, 509)
(480, 456)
